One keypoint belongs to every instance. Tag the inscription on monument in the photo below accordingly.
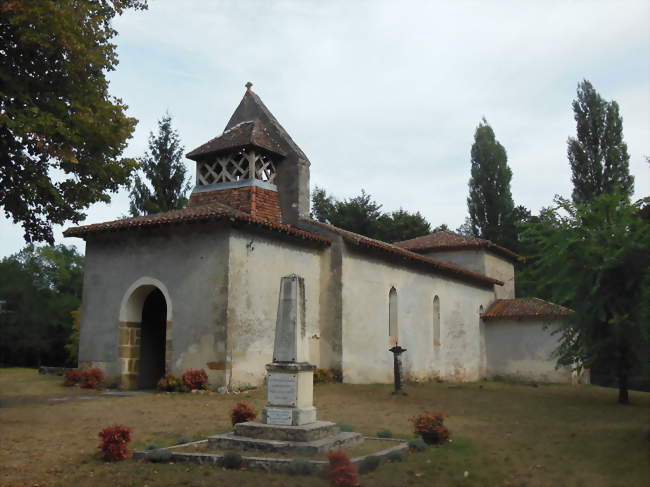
(278, 416)
(282, 389)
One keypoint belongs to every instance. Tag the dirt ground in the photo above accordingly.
(503, 434)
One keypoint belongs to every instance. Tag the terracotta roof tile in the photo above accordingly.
(441, 241)
(243, 134)
(403, 254)
(209, 212)
(525, 308)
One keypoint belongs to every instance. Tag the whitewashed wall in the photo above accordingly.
(522, 350)
(256, 265)
(365, 357)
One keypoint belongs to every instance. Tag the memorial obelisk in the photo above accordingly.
(290, 379)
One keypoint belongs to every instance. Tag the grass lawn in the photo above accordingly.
(503, 434)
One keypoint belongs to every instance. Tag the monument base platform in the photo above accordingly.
(308, 432)
(232, 441)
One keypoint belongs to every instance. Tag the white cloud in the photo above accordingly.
(385, 96)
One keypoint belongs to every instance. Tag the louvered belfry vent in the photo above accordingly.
(245, 163)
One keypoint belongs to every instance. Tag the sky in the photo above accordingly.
(385, 96)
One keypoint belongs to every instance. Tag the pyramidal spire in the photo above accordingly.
(252, 108)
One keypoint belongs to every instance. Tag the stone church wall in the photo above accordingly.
(190, 265)
(257, 263)
(367, 282)
(522, 350)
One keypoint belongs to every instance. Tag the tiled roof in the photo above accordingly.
(240, 135)
(396, 252)
(209, 212)
(441, 241)
(525, 308)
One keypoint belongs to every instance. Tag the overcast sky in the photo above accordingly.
(386, 96)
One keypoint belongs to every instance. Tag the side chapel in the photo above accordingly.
(198, 287)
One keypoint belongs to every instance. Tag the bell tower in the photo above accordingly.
(253, 166)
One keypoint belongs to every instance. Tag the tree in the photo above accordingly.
(165, 171)
(490, 201)
(61, 133)
(41, 286)
(596, 259)
(598, 156)
(363, 215)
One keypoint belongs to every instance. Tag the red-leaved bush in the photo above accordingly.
(431, 428)
(341, 472)
(195, 379)
(241, 413)
(114, 442)
(91, 378)
(71, 377)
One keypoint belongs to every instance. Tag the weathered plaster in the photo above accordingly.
(523, 349)
(189, 267)
(257, 264)
(366, 285)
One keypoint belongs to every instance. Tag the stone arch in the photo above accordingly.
(130, 328)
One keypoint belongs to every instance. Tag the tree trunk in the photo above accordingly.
(623, 397)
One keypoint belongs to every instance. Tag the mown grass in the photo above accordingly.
(503, 434)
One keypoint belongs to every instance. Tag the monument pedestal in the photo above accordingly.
(290, 394)
(288, 423)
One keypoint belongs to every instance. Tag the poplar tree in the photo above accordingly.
(490, 202)
(164, 170)
(598, 156)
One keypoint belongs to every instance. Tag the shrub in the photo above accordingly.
(231, 460)
(395, 456)
(340, 470)
(194, 379)
(72, 377)
(431, 428)
(384, 433)
(323, 376)
(417, 445)
(114, 442)
(91, 378)
(159, 456)
(152, 446)
(345, 427)
(242, 413)
(369, 464)
(170, 383)
(298, 466)
(181, 440)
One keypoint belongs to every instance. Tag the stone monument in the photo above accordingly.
(288, 422)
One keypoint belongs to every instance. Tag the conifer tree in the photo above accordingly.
(598, 156)
(165, 172)
(490, 201)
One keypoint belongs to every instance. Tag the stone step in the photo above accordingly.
(231, 441)
(306, 432)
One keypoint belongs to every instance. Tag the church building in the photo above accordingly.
(198, 287)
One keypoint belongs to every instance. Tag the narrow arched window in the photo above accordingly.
(392, 316)
(436, 321)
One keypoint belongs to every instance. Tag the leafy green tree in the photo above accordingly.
(40, 287)
(490, 202)
(61, 133)
(401, 225)
(363, 215)
(595, 258)
(598, 156)
(165, 172)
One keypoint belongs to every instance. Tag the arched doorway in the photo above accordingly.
(152, 340)
(145, 334)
